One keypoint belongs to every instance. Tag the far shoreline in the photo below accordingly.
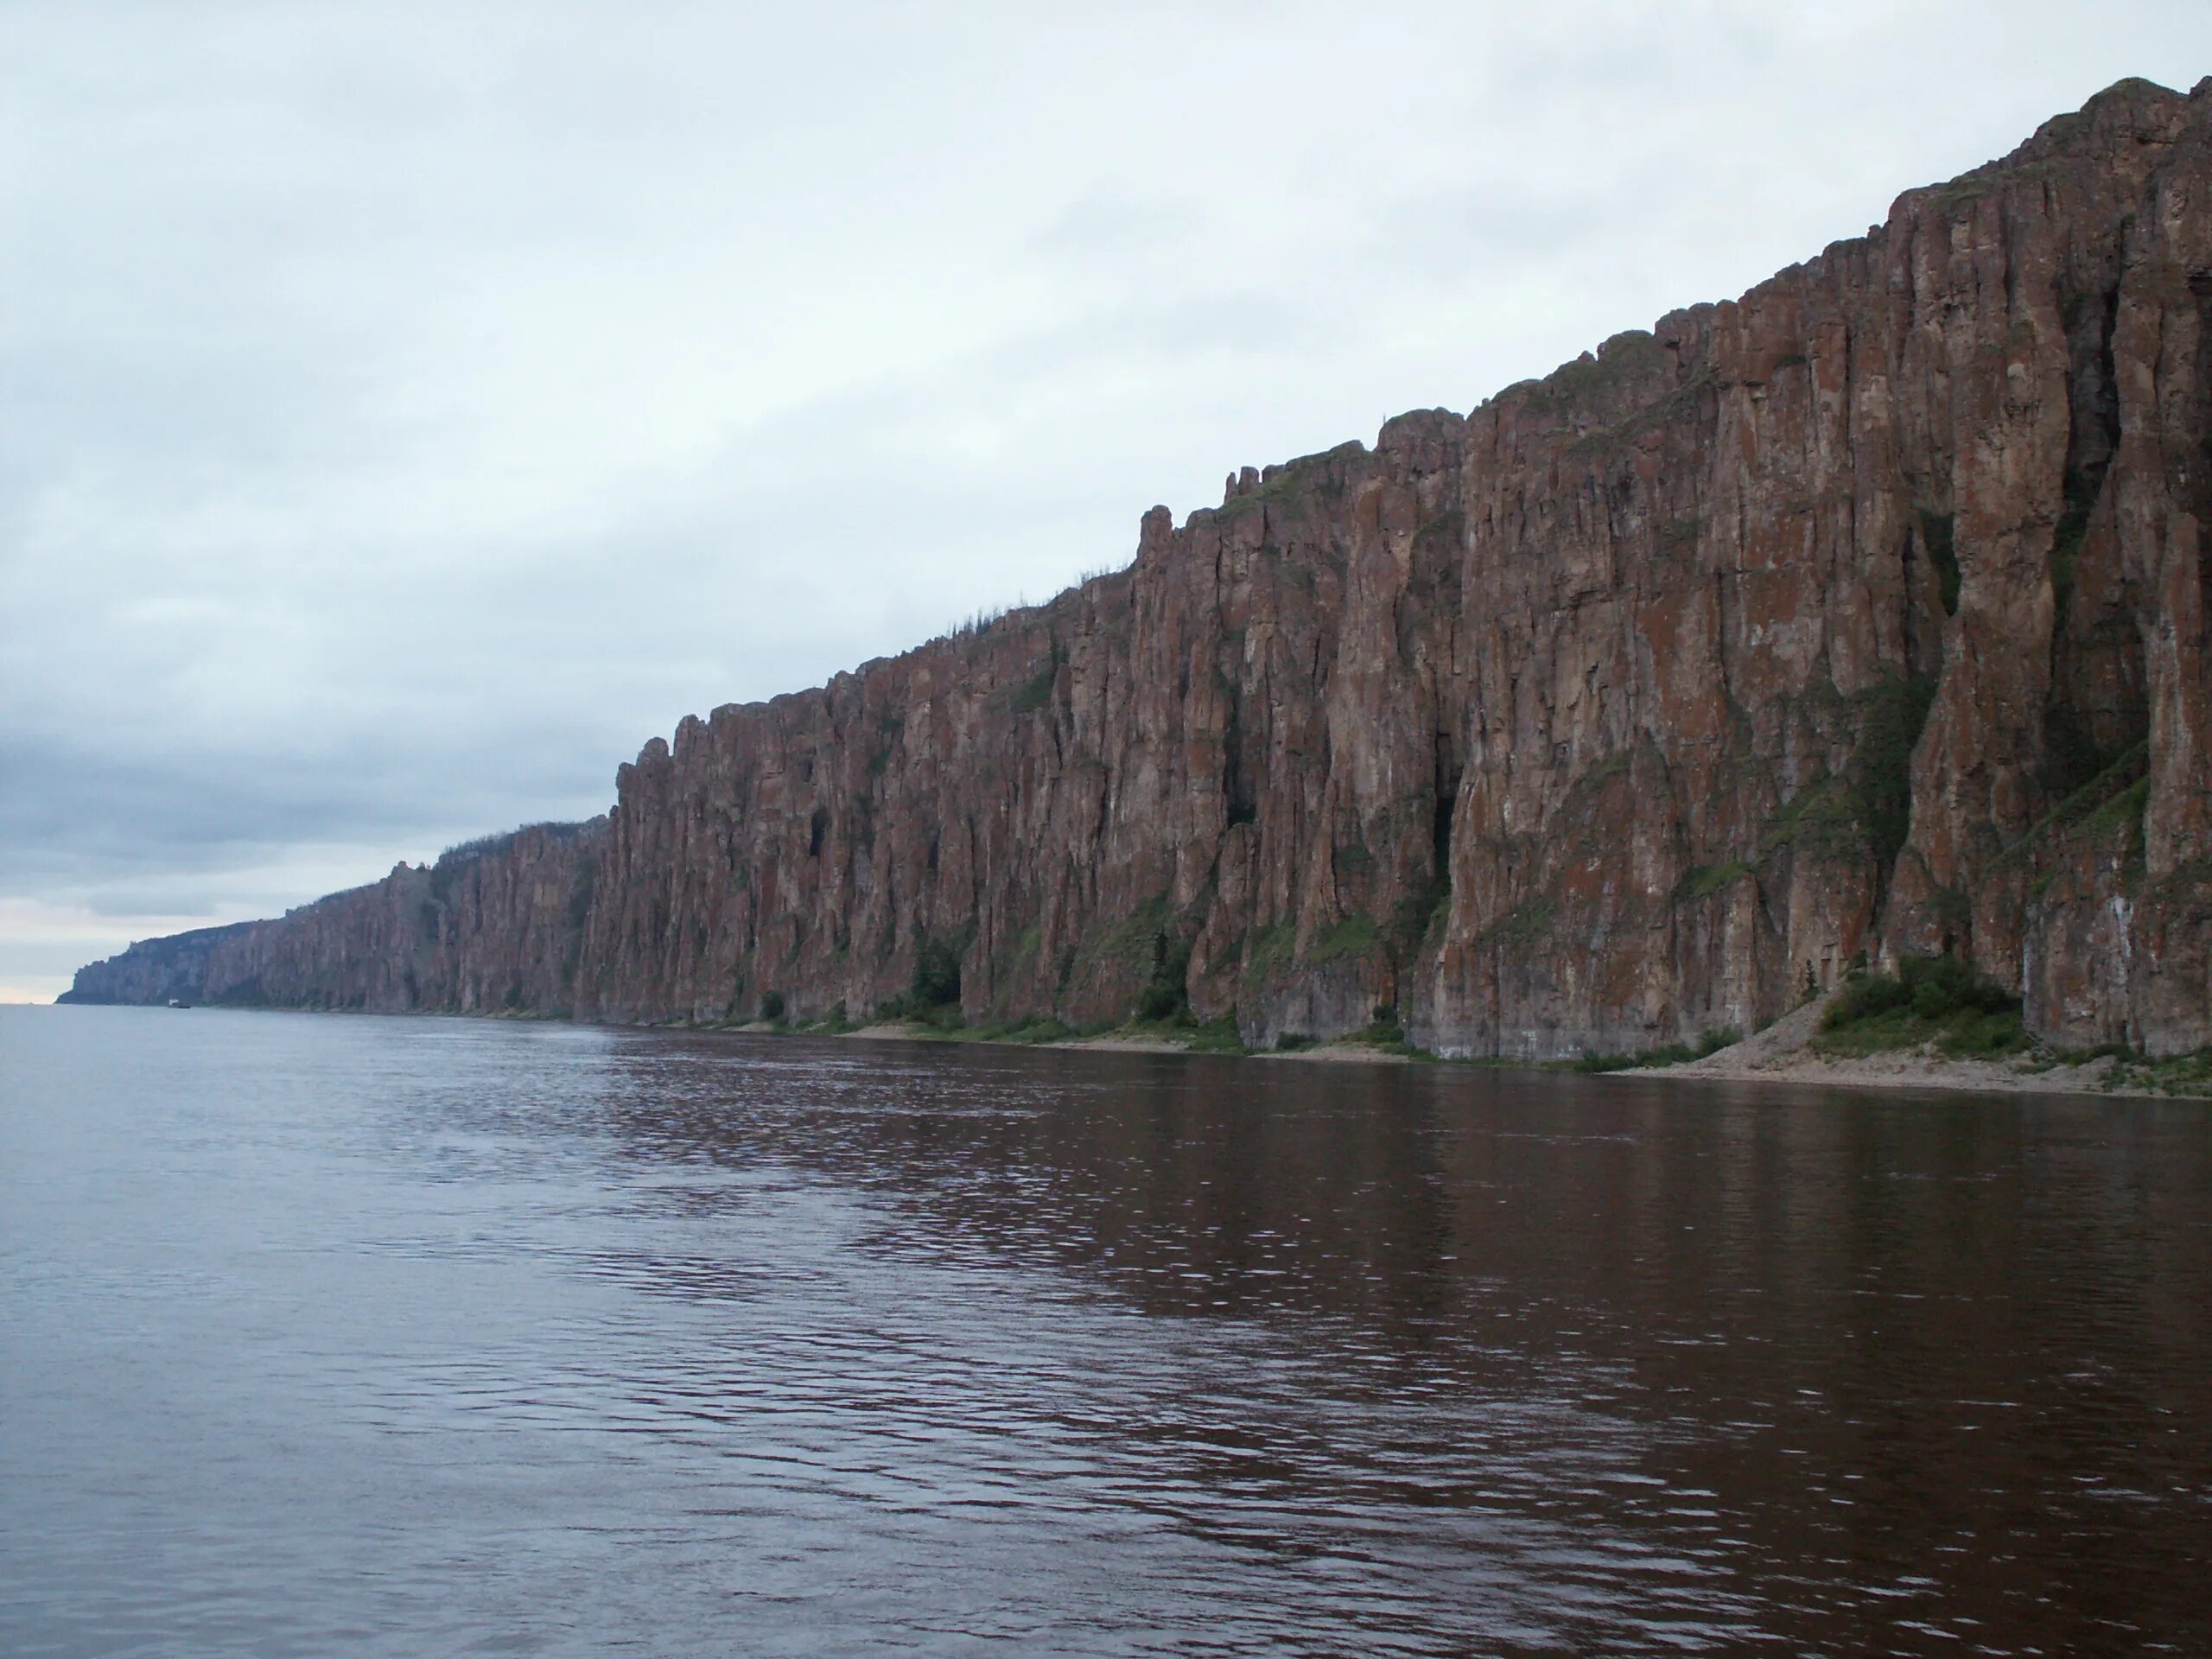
(1787, 1063)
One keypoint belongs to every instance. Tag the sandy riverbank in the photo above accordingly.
(1784, 1053)
(1115, 1042)
(1781, 1053)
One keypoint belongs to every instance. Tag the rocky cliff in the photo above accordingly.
(494, 927)
(1865, 613)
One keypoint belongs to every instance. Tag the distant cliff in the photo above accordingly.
(494, 927)
(1865, 614)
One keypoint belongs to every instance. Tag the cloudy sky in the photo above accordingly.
(406, 412)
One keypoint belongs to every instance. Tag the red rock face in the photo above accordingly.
(1864, 614)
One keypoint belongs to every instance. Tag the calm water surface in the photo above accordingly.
(414, 1336)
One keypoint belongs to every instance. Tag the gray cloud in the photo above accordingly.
(406, 411)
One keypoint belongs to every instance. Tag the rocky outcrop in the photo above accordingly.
(1866, 613)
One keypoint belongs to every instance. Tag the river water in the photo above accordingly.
(325, 1334)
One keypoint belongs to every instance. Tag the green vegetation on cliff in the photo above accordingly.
(1937, 999)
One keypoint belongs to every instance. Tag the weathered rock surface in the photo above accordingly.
(1865, 613)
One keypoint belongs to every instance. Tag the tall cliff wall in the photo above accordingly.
(1866, 613)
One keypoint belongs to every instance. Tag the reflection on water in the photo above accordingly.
(414, 1336)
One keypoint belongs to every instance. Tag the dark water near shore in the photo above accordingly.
(407, 1338)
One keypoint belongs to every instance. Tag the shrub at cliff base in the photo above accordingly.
(2180, 1074)
(933, 999)
(1937, 999)
(1711, 1042)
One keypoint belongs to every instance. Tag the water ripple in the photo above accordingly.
(420, 1335)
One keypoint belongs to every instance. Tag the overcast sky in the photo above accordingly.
(404, 413)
